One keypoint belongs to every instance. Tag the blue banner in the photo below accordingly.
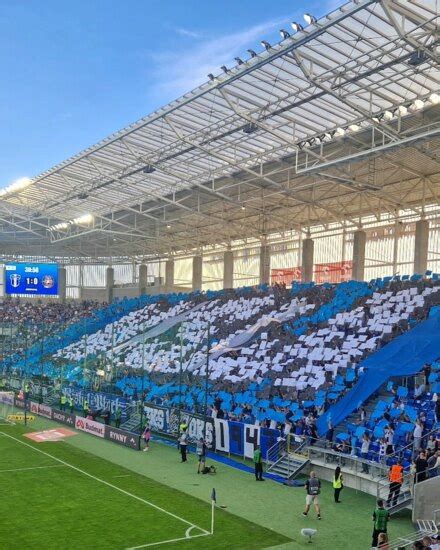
(31, 279)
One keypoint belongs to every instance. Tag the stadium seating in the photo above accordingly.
(278, 357)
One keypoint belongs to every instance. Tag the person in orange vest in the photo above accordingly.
(396, 480)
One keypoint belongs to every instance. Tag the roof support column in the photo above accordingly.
(264, 263)
(197, 273)
(308, 247)
(169, 275)
(109, 284)
(421, 247)
(228, 269)
(143, 272)
(359, 242)
(62, 284)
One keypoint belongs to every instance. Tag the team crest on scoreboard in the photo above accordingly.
(15, 280)
(48, 281)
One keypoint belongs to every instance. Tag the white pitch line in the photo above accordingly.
(168, 541)
(33, 468)
(99, 480)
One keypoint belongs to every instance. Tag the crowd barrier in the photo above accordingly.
(116, 435)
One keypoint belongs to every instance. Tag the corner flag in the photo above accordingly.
(213, 496)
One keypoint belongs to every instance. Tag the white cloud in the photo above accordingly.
(188, 33)
(179, 72)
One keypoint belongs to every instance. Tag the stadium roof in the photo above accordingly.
(340, 119)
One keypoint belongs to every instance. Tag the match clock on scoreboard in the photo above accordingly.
(31, 279)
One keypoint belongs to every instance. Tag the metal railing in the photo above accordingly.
(405, 491)
(426, 528)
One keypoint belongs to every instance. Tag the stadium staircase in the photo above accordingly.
(52, 397)
(405, 498)
(286, 460)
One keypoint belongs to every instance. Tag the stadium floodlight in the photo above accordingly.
(239, 60)
(250, 128)
(266, 44)
(354, 127)
(224, 68)
(60, 226)
(340, 132)
(309, 19)
(16, 186)
(211, 77)
(296, 26)
(252, 53)
(434, 99)
(85, 219)
(417, 105)
(149, 169)
(284, 34)
(388, 115)
(402, 110)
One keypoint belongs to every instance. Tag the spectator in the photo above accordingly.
(421, 467)
(417, 434)
(396, 481)
(338, 484)
(364, 452)
(382, 541)
(381, 517)
(389, 438)
(427, 372)
(258, 463)
(313, 489)
(433, 464)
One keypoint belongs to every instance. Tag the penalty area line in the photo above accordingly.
(115, 487)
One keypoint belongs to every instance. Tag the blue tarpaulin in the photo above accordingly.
(404, 356)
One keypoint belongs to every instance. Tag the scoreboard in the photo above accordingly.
(31, 279)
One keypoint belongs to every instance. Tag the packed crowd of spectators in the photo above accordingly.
(24, 322)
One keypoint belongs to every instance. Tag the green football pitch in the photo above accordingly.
(88, 493)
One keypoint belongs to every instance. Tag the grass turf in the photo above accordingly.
(275, 507)
(48, 504)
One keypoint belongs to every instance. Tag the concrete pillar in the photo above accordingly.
(421, 247)
(307, 260)
(197, 273)
(264, 264)
(359, 241)
(109, 284)
(228, 269)
(62, 284)
(142, 279)
(169, 276)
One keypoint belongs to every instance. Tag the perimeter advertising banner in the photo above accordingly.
(63, 417)
(31, 279)
(90, 426)
(122, 437)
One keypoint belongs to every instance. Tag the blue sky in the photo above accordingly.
(74, 72)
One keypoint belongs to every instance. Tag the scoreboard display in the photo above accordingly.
(31, 279)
